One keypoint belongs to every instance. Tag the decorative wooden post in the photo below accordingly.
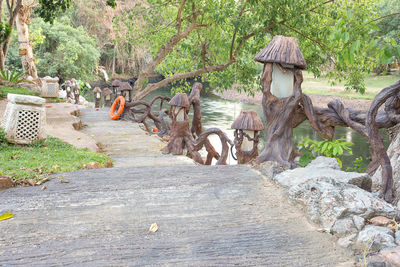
(97, 97)
(107, 97)
(115, 85)
(281, 82)
(126, 91)
(247, 127)
(68, 86)
(181, 137)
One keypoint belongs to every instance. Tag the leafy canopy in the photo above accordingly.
(334, 36)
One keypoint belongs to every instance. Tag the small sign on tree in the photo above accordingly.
(23, 52)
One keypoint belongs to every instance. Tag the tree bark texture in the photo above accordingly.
(28, 61)
(279, 114)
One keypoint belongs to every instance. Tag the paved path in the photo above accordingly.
(126, 143)
(207, 216)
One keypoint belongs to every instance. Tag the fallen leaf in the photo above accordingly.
(31, 182)
(153, 228)
(92, 165)
(44, 187)
(123, 133)
(64, 181)
(43, 181)
(109, 164)
(6, 216)
(45, 147)
(55, 167)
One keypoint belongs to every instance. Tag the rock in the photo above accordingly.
(377, 237)
(391, 256)
(376, 261)
(6, 182)
(270, 169)
(26, 99)
(343, 227)
(359, 222)
(327, 200)
(397, 237)
(166, 138)
(297, 176)
(346, 241)
(324, 162)
(380, 221)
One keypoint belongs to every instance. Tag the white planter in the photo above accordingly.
(24, 119)
(50, 87)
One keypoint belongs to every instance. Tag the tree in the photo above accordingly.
(218, 39)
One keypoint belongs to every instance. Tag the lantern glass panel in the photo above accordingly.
(282, 82)
(98, 95)
(108, 97)
(246, 144)
(180, 116)
(68, 89)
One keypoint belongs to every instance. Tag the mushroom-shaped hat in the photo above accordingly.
(116, 83)
(180, 100)
(96, 90)
(125, 86)
(283, 50)
(248, 120)
(107, 92)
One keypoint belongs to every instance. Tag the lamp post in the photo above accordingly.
(68, 89)
(115, 85)
(126, 91)
(76, 89)
(97, 97)
(107, 97)
(281, 82)
(247, 126)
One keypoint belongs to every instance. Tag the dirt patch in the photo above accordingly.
(318, 100)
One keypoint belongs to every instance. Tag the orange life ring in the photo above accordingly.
(114, 115)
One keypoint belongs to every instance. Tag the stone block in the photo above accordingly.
(50, 87)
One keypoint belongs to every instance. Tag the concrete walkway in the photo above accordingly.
(207, 215)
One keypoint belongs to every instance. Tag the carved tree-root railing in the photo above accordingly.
(366, 123)
(140, 115)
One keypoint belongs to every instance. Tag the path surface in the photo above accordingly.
(207, 216)
(126, 143)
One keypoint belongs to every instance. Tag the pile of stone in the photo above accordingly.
(342, 204)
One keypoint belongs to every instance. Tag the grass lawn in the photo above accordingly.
(322, 86)
(47, 157)
(4, 90)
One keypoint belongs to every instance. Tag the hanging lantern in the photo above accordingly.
(247, 127)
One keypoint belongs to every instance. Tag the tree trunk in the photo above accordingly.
(28, 60)
(394, 155)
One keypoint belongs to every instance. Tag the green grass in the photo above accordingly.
(4, 90)
(47, 157)
(322, 86)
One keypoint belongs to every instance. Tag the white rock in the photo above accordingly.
(327, 200)
(377, 237)
(62, 94)
(26, 99)
(343, 227)
(359, 222)
(298, 176)
(346, 241)
(324, 162)
(397, 237)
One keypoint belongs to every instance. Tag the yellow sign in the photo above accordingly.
(23, 52)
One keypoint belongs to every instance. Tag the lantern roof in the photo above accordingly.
(248, 120)
(283, 50)
(107, 91)
(116, 83)
(180, 100)
(125, 86)
(97, 90)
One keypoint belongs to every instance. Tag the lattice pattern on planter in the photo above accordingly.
(28, 125)
(50, 87)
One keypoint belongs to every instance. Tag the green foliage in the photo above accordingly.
(39, 160)
(357, 166)
(12, 77)
(336, 34)
(4, 90)
(111, 3)
(5, 31)
(3, 139)
(65, 51)
(328, 148)
(49, 10)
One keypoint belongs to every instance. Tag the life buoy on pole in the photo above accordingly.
(121, 101)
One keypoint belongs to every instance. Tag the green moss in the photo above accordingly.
(39, 160)
(4, 90)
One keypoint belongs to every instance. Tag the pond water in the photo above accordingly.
(220, 113)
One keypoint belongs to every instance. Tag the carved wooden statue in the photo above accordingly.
(247, 127)
(97, 97)
(107, 97)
